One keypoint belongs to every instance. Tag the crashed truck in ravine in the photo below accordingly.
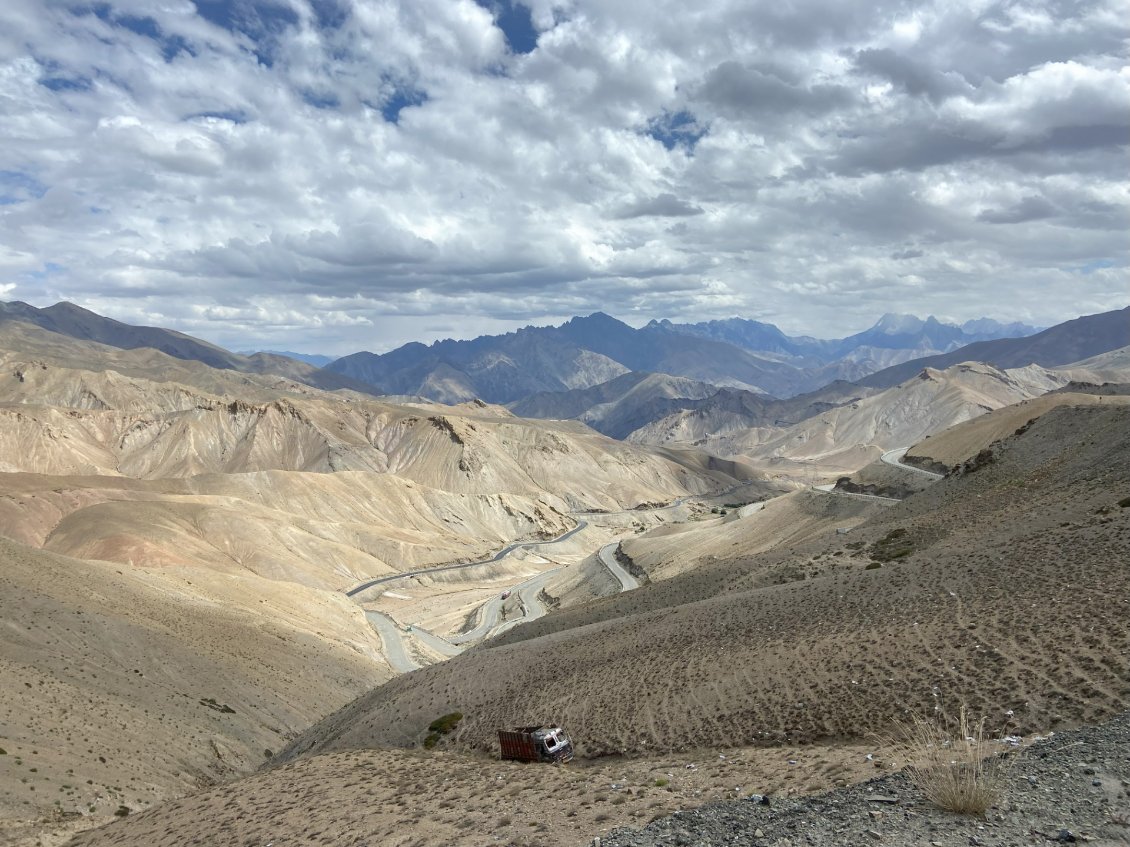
(536, 744)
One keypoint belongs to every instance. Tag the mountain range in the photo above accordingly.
(587, 351)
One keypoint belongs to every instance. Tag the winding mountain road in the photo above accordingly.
(501, 554)
(894, 458)
(395, 638)
(608, 559)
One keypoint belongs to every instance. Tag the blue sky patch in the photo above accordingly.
(18, 187)
(515, 22)
(401, 99)
(675, 129)
(262, 20)
(321, 99)
(235, 117)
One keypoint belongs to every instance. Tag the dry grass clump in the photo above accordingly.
(956, 764)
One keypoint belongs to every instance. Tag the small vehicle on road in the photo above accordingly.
(536, 744)
(505, 595)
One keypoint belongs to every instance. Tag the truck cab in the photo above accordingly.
(536, 744)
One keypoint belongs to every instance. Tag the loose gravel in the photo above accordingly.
(1073, 787)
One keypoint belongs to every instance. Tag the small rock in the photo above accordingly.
(757, 833)
(1065, 836)
(596, 842)
(876, 815)
(1096, 782)
(883, 798)
(874, 835)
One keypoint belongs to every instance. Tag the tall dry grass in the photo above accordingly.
(955, 763)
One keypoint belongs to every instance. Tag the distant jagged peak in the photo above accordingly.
(597, 320)
(895, 323)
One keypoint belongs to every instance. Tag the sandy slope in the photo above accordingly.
(846, 438)
(789, 520)
(1006, 588)
(116, 679)
(958, 443)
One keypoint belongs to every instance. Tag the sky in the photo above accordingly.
(340, 175)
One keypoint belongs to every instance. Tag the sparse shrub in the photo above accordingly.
(871, 566)
(1124, 502)
(121, 811)
(894, 545)
(955, 764)
(445, 724)
(3, 752)
(440, 727)
(660, 783)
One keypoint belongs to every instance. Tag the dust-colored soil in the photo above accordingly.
(1005, 587)
(125, 687)
(399, 798)
(796, 518)
(178, 538)
(958, 443)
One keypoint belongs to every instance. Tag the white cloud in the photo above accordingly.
(396, 170)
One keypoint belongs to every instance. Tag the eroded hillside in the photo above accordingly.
(1004, 587)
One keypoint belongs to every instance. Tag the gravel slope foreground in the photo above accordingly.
(1071, 788)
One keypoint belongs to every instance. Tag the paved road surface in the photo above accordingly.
(393, 641)
(440, 645)
(489, 616)
(894, 458)
(608, 559)
(501, 554)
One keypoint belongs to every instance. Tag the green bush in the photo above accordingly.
(440, 727)
(445, 724)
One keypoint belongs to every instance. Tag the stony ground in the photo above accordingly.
(1071, 788)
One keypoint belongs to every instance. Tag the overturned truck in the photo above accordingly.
(536, 744)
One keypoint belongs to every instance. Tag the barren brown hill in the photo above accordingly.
(1004, 587)
(956, 444)
(127, 686)
(793, 519)
(69, 325)
(849, 436)
(179, 537)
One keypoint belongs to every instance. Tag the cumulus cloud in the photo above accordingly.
(335, 175)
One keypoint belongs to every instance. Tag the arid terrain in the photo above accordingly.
(175, 560)
(1002, 586)
(209, 572)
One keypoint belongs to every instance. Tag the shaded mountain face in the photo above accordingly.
(74, 322)
(581, 353)
(587, 351)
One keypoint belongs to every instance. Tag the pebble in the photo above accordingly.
(831, 819)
